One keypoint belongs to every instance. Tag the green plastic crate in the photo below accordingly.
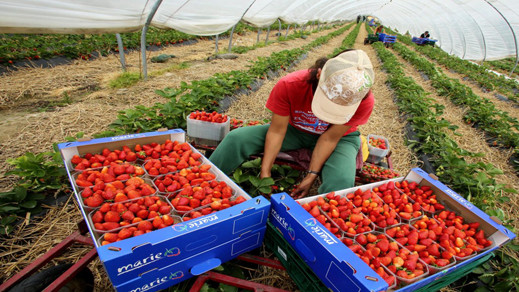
(306, 279)
(296, 268)
(455, 275)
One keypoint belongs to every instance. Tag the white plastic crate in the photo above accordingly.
(206, 132)
(377, 154)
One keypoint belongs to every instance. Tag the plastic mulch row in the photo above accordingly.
(306, 279)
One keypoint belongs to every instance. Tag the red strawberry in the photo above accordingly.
(383, 244)
(128, 215)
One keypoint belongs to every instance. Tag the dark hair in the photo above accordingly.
(319, 64)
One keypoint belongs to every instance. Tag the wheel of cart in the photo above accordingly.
(64, 277)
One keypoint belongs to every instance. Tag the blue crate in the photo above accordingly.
(340, 269)
(128, 260)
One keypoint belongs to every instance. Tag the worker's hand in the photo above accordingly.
(303, 188)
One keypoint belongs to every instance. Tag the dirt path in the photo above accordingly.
(385, 119)
(94, 105)
(470, 139)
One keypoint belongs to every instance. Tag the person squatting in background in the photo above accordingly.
(425, 35)
(319, 109)
(380, 29)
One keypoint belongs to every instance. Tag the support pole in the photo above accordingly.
(143, 37)
(216, 44)
(513, 33)
(279, 25)
(230, 39)
(121, 51)
(257, 37)
(267, 38)
(288, 28)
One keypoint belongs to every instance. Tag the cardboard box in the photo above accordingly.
(339, 268)
(129, 259)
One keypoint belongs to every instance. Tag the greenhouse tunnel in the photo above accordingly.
(472, 30)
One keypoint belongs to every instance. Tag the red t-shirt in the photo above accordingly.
(292, 96)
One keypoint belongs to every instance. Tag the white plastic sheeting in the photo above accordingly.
(263, 13)
(66, 16)
(471, 29)
(200, 17)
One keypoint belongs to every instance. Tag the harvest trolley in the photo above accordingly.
(423, 41)
(77, 277)
(388, 40)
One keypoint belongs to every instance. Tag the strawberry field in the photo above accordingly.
(445, 115)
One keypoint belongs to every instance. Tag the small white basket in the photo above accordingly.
(377, 154)
(208, 132)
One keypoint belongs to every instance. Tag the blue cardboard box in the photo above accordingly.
(129, 259)
(213, 256)
(338, 267)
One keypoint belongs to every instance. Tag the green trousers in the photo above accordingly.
(337, 173)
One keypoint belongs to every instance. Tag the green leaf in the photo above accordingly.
(482, 289)
(503, 286)
(255, 181)
(8, 220)
(29, 204)
(265, 190)
(20, 194)
(9, 209)
(35, 197)
(227, 288)
(478, 270)
(266, 182)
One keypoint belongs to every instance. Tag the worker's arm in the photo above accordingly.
(323, 149)
(273, 141)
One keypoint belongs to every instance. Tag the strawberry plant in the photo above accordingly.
(40, 175)
(282, 180)
(475, 181)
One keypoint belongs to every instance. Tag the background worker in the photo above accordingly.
(319, 109)
(379, 29)
(425, 35)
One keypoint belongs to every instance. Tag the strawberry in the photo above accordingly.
(145, 225)
(124, 233)
(128, 215)
(383, 244)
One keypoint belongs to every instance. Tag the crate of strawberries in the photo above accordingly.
(419, 230)
(378, 147)
(156, 208)
(207, 127)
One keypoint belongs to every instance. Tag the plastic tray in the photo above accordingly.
(98, 232)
